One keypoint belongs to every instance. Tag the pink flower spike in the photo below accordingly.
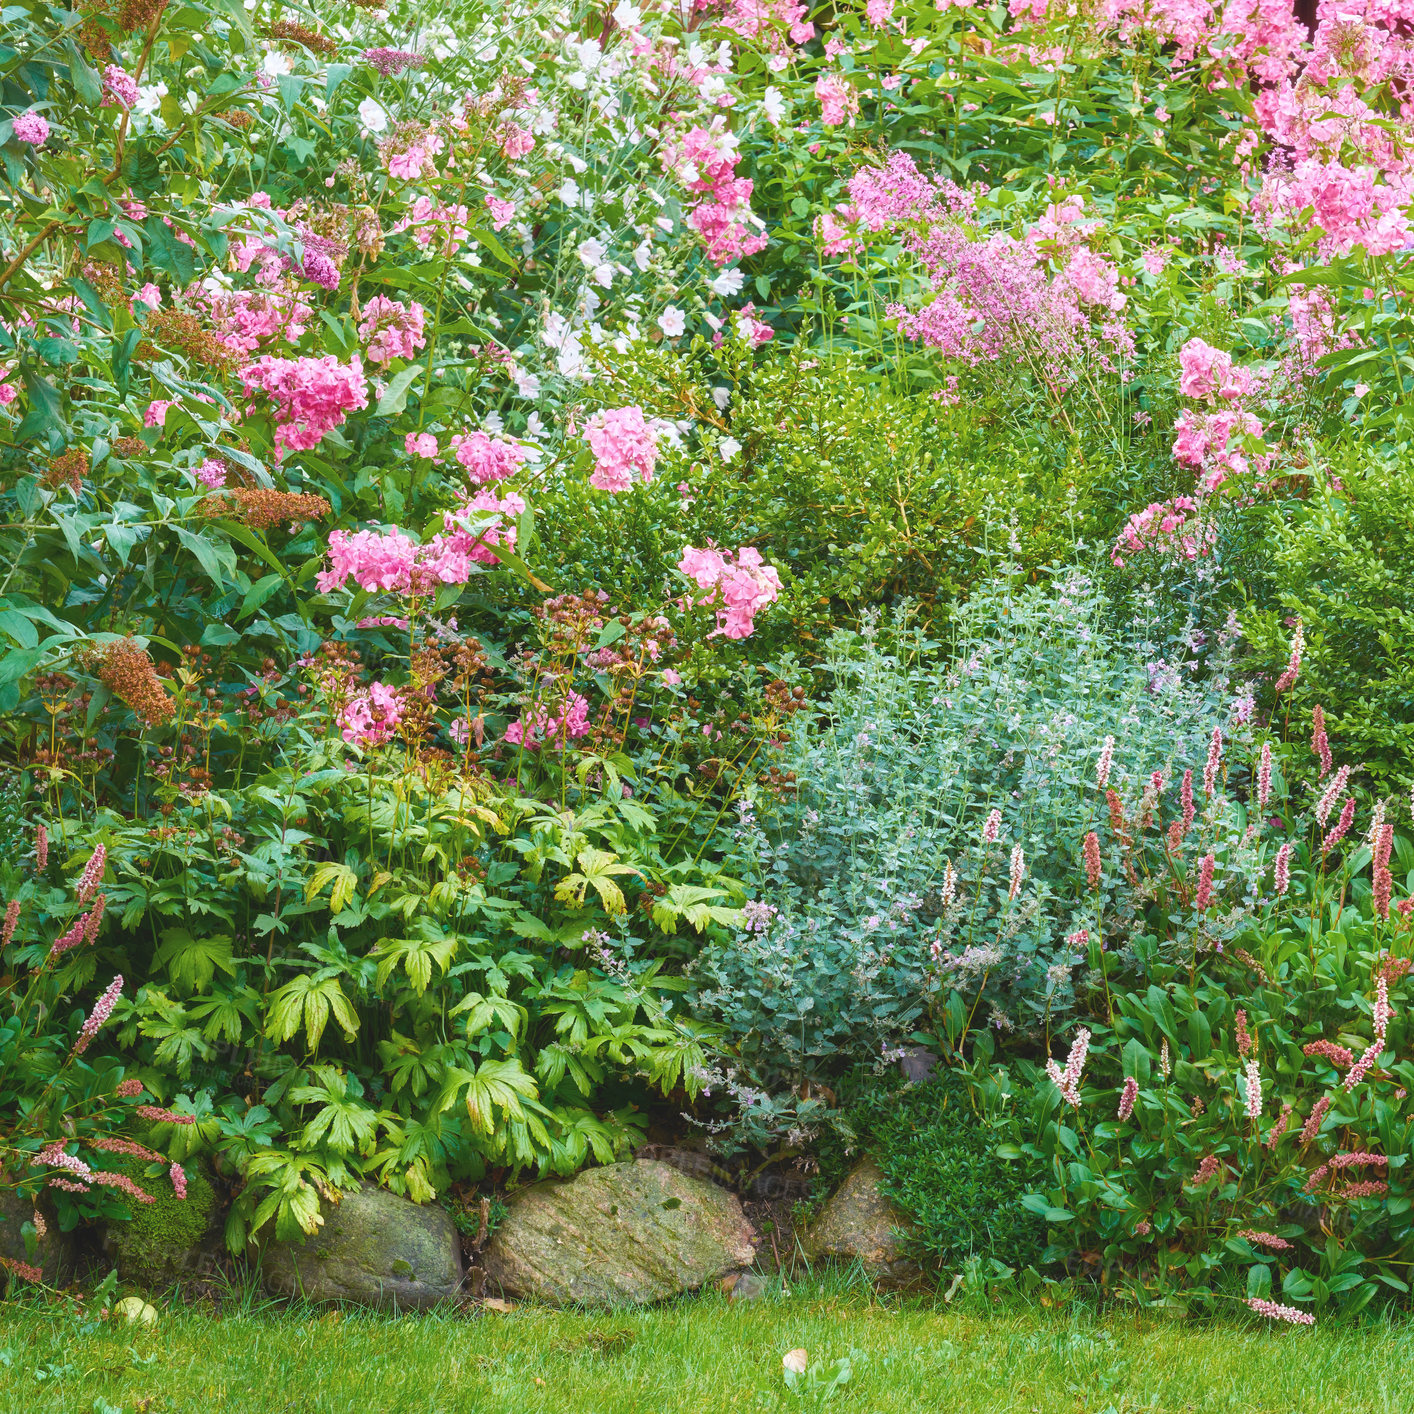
(1274, 1311)
(102, 1010)
(1127, 1097)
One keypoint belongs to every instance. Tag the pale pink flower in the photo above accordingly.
(1341, 827)
(1185, 800)
(12, 918)
(179, 1180)
(1067, 1081)
(1215, 754)
(41, 847)
(624, 444)
(30, 127)
(1331, 794)
(92, 874)
(992, 830)
(102, 1010)
(1264, 776)
(1203, 899)
(1253, 1072)
(1275, 1311)
(1320, 743)
(1102, 769)
(156, 413)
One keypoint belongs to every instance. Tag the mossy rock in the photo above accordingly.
(170, 1238)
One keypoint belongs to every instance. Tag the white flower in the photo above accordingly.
(642, 254)
(149, 99)
(591, 252)
(527, 384)
(569, 192)
(728, 283)
(774, 105)
(493, 423)
(534, 424)
(672, 321)
(276, 63)
(627, 15)
(603, 275)
(728, 447)
(721, 396)
(372, 115)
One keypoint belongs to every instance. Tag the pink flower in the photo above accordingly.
(41, 847)
(102, 1010)
(1264, 776)
(1208, 373)
(371, 716)
(538, 727)
(92, 874)
(1273, 1310)
(1185, 800)
(149, 295)
(516, 141)
(30, 127)
(1127, 1096)
(672, 677)
(1338, 1056)
(1102, 769)
(738, 591)
(12, 918)
(391, 329)
(156, 414)
(1018, 871)
(1067, 1081)
(211, 473)
(1341, 827)
(179, 1180)
(119, 86)
(623, 443)
(1331, 794)
(991, 831)
(1254, 1089)
(310, 396)
(1320, 743)
(157, 1115)
(56, 1156)
(1312, 1127)
(420, 444)
(1215, 753)
(1092, 859)
(486, 458)
(1204, 898)
(1282, 871)
(1293, 667)
(838, 100)
(502, 212)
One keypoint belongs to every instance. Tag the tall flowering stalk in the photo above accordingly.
(1067, 1080)
(1293, 667)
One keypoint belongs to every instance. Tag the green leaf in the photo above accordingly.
(395, 395)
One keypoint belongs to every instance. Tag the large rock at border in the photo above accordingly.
(626, 1234)
(860, 1223)
(374, 1248)
(54, 1252)
(170, 1239)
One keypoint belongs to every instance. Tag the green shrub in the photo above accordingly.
(1340, 563)
(937, 1148)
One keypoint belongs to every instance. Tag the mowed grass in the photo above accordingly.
(699, 1356)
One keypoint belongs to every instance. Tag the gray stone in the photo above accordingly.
(626, 1234)
(374, 1248)
(54, 1252)
(859, 1223)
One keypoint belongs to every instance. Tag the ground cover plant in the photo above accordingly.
(572, 575)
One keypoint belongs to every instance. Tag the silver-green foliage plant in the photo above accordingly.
(929, 872)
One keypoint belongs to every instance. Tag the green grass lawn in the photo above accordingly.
(696, 1355)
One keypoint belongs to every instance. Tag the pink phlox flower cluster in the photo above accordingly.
(623, 443)
(241, 319)
(310, 395)
(539, 726)
(1067, 1080)
(1352, 206)
(371, 716)
(1173, 528)
(1208, 373)
(488, 458)
(421, 444)
(501, 211)
(391, 329)
(448, 226)
(737, 591)
(1206, 440)
(411, 155)
(838, 100)
(516, 142)
(750, 329)
(776, 23)
(704, 161)
(494, 519)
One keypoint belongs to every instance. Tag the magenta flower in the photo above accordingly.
(119, 86)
